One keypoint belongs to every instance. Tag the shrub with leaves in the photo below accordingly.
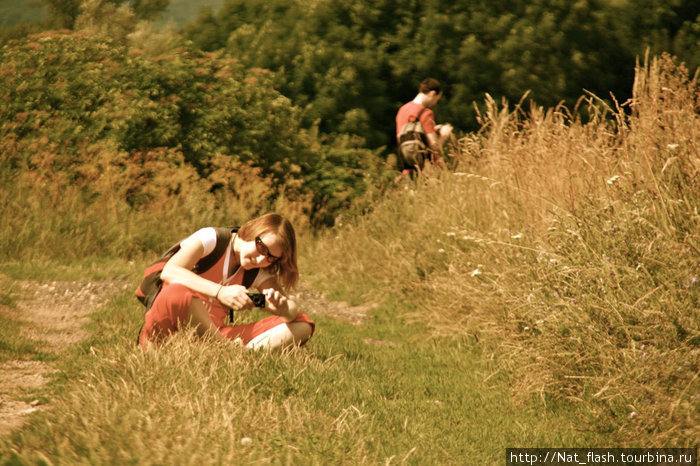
(81, 112)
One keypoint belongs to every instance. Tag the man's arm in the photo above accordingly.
(437, 139)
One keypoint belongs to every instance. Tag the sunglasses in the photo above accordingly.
(265, 251)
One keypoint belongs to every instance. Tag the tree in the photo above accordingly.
(349, 64)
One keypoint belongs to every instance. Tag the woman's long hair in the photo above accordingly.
(285, 268)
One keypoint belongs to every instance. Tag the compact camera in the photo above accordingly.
(258, 299)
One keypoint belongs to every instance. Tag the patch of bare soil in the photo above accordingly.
(315, 302)
(54, 314)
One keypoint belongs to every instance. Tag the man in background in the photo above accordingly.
(418, 137)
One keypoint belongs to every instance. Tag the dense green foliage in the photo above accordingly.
(81, 112)
(351, 63)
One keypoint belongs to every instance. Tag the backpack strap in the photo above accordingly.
(223, 238)
(419, 114)
(249, 277)
(412, 135)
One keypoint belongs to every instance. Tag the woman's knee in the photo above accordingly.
(173, 301)
(283, 335)
(301, 332)
(168, 313)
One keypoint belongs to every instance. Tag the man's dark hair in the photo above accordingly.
(430, 84)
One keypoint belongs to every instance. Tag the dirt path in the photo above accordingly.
(315, 302)
(54, 314)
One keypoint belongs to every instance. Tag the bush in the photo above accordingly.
(121, 142)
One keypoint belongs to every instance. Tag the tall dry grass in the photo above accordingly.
(568, 240)
(112, 203)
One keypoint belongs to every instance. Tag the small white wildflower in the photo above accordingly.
(672, 146)
(613, 179)
(246, 441)
(475, 272)
(517, 236)
(633, 414)
(441, 250)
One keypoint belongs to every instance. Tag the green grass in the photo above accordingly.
(87, 268)
(368, 394)
(13, 345)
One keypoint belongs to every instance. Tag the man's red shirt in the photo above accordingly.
(409, 111)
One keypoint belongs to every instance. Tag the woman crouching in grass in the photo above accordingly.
(262, 254)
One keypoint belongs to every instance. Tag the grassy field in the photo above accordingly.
(544, 294)
(381, 392)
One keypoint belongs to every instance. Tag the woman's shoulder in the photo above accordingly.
(207, 236)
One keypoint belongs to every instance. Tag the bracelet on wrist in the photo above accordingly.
(216, 296)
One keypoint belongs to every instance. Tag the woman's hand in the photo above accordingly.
(235, 297)
(276, 301)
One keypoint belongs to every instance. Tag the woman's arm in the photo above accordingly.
(178, 270)
(276, 302)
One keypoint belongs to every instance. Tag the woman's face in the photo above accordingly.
(262, 252)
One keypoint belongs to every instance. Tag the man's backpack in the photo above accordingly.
(413, 143)
(151, 284)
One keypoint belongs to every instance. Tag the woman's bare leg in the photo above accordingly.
(283, 335)
(198, 317)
